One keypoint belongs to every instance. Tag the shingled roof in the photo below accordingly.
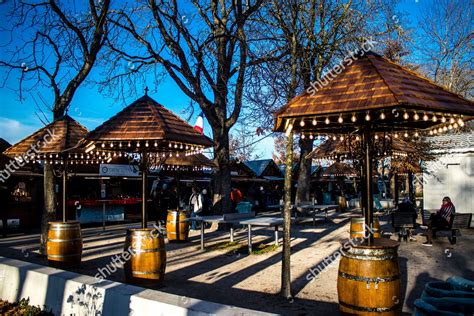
(264, 167)
(374, 83)
(337, 147)
(339, 169)
(146, 119)
(65, 135)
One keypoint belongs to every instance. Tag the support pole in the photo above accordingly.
(144, 190)
(397, 190)
(286, 253)
(367, 165)
(64, 189)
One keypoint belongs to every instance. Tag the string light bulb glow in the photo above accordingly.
(314, 122)
(367, 117)
(425, 117)
(340, 119)
(327, 120)
(434, 119)
(302, 123)
(443, 119)
(406, 116)
(382, 116)
(353, 118)
(416, 117)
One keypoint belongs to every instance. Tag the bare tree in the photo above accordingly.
(315, 34)
(243, 144)
(205, 47)
(53, 46)
(445, 44)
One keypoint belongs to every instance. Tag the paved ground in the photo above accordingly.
(253, 281)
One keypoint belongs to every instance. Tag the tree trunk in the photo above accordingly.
(222, 179)
(285, 267)
(49, 211)
(304, 171)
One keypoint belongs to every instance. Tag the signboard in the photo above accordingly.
(111, 170)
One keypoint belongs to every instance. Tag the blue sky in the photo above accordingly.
(89, 107)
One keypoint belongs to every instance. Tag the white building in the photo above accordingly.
(452, 174)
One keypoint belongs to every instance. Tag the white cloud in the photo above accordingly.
(13, 131)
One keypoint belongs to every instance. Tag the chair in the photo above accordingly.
(403, 222)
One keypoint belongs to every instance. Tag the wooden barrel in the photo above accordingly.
(64, 244)
(342, 203)
(177, 225)
(357, 227)
(369, 279)
(145, 256)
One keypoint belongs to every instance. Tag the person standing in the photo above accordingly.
(440, 220)
(236, 197)
(195, 203)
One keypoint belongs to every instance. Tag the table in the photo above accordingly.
(255, 221)
(315, 209)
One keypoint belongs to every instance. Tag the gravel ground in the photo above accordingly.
(253, 281)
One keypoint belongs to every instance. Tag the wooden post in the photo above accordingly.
(64, 189)
(286, 253)
(144, 190)
(367, 165)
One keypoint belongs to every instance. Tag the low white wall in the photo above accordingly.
(68, 293)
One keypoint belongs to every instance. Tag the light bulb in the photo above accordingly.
(314, 122)
(382, 116)
(340, 119)
(425, 117)
(406, 134)
(353, 118)
(416, 116)
(302, 136)
(406, 116)
(443, 119)
(451, 120)
(367, 117)
(434, 119)
(327, 120)
(461, 122)
(302, 123)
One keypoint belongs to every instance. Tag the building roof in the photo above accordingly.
(372, 82)
(339, 169)
(146, 119)
(65, 135)
(453, 143)
(264, 167)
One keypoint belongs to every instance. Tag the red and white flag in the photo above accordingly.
(199, 126)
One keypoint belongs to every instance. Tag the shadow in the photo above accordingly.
(417, 290)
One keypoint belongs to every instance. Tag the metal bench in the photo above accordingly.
(403, 222)
(458, 221)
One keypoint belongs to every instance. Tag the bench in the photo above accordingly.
(403, 221)
(458, 221)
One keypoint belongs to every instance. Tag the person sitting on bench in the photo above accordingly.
(440, 220)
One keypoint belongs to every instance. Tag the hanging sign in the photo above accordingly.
(111, 170)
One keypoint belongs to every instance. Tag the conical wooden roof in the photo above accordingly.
(147, 120)
(372, 83)
(65, 134)
(339, 169)
(198, 160)
(337, 147)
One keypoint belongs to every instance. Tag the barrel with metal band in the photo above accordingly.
(64, 244)
(177, 225)
(358, 229)
(144, 256)
(369, 278)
